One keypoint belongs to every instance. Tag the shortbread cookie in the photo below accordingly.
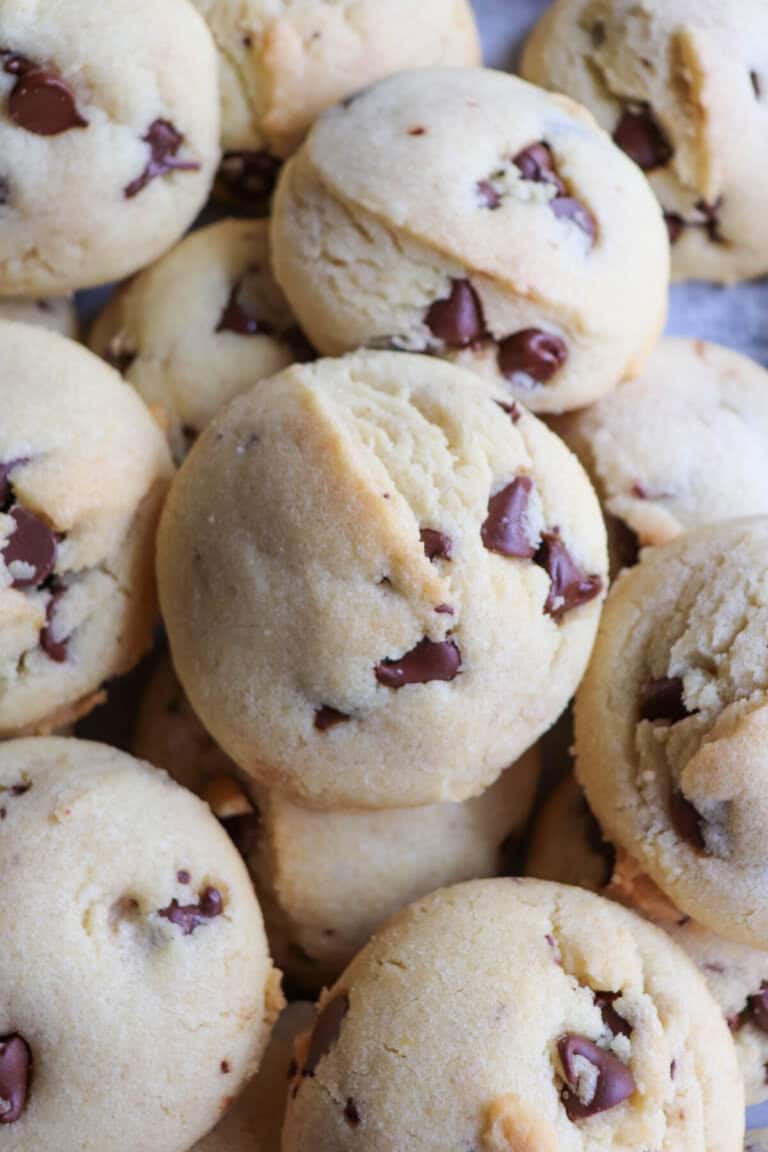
(509, 1014)
(202, 325)
(138, 993)
(109, 135)
(83, 473)
(683, 87)
(517, 239)
(375, 549)
(58, 314)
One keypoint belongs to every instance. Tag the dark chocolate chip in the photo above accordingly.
(675, 226)
(512, 410)
(506, 528)
(6, 487)
(444, 610)
(225, 1068)
(687, 821)
(569, 208)
(437, 545)
(164, 141)
(352, 1113)
(56, 650)
(640, 135)
(429, 660)
(613, 1021)
(243, 831)
(488, 195)
(15, 1076)
(327, 717)
(537, 164)
(235, 318)
(663, 700)
(615, 1083)
(757, 1007)
(42, 103)
(326, 1032)
(532, 353)
(19, 789)
(33, 544)
(249, 176)
(457, 321)
(183, 876)
(570, 585)
(417, 130)
(757, 86)
(188, 917)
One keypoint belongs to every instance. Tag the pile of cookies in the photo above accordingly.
(372, 445)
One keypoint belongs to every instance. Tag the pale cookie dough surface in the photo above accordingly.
(295, 550)
(494, 1016)
(83, 473)
(58, 314)
(124, 904)
(672, 723)
(684, 444)
(683, 86)
(204, 324)
(518, 240)
(114, 107)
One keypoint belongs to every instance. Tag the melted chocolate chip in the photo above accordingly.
(352, 1113)
(225, 1068)
(640, 135)
(164, 142)
(56, 650)
(437, 545)
(236, 319)
(40, 101)
(429, 660)
(32, 545)
(675, 226)
(6, 487)
(687, 821)
(15, 1076)
(615, 1083)
(457, 321)
(188, 917)
(533, 354)
(569, 208)
(570, 585)
(506, 527)
(326, 1032)
(663, 700)
(243, 831)
(488, 195)
(613, 1021)
(537, 164)
(327, 717)
(249, 175)
(183, 876)
(757, 1008)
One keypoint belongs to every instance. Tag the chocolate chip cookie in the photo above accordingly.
(58, 314)
(202, 325)
(682, 85)
(360, 554)
(520, 242)
(109, 136)
(83, 473)
(495, 1015)
(138, 993)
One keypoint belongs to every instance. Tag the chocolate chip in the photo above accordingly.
(249, 175)
(164, 142)
(19, 789)
(613, 1021)
(30, 551)
(183, 876)
(687, 821)
(225, 1068)
(570, 586)
(327, 717)
(15, 1076)
(351, 1113)
(417, 131)
(457, 321)
(675, 226)
(757, 86)
(512, 410)
(615, 1083)
(663, 700)
(56, 650)
(506, 528)
(640, 135)
(429, 660)
(437, 545)
(191, 916)
(488, 195)
(243, 831)
(533, 354)
(6, 487)
(757, 1007)
(444, 610)
(236, 319)
(537, 164)
(41, 102)
(569, 208)
(326, 1032)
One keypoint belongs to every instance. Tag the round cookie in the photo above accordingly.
(566, 843)
(683, 444)
(123, 900)
(58, 314)
(375, 548)
(83, 473)
(202, 325)
(520, 242)
(282, 64)
(115, 107)
(672, 723)
(494, 1016)
(683, 87)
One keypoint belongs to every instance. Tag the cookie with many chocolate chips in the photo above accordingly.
(111, 1009)
(520, 243)
(83, 472)
(335, 542)
(682, 86)
(672, 723)
(109, 138)
(202, 325)
(58, 314)
(515, 1014)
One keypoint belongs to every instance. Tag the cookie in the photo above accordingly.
(659, 447)
(520, 242)
(124, 906)
(202, 325)
(493, 1016)
(83, 473)
(374, 549)
(58, 314)
(682, 85)
(671, 723)
(566, 843)
(115, 107)
(283, 63)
